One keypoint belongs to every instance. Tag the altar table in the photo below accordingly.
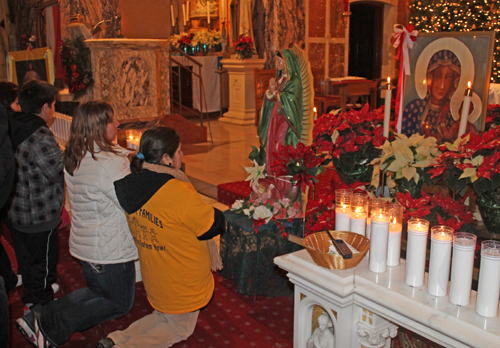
(248, 256)
(367, 308)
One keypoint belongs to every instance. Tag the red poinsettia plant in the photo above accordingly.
(349, 141)
(185, 40)
(300, 162)
(492, 116)
(438, 209)
(244, 47)
(473, 159)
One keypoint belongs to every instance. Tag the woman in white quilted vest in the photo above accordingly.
(100, 238)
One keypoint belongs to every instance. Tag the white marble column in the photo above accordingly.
(241, 90)
(374, 331)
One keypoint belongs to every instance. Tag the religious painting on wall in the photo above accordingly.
(442, 65)
(25, 66)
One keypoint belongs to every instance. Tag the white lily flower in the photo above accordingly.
(255, 173)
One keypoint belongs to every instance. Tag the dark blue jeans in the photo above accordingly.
(109, 293)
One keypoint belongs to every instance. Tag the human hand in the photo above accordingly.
(272, 85)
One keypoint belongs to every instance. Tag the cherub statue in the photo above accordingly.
(323, 336)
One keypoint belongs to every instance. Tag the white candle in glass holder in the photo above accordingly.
(488, 288)
(358, 222)
(394, 244)
(343, 209)
(416, 251)
(358, 213)
(395, 231)
(378, 242)
(462, 267)
(440, 260)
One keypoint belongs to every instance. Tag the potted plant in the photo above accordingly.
(350, 142)
(244, 47)
(474, 160)
(408, 160)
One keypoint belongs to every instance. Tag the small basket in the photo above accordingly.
(318, 244)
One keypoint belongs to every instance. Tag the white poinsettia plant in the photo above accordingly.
(407, 157)
(207, 37)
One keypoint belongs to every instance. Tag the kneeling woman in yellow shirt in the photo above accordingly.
(173, 230)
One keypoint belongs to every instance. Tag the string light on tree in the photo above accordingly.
(430, 16)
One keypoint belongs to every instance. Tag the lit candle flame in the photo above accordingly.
(315, 110)
(388, 80)
(394, 221)
(468, 84)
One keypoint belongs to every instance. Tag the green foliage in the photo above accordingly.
(75, 59)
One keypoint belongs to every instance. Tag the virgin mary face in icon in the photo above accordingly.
(443, 74)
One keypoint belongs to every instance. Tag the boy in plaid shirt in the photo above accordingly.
(38, 192)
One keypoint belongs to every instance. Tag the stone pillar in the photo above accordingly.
(241, 90)
(374, 331)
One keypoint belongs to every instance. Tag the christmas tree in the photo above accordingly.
(430, 16)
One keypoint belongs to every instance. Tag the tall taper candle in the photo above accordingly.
(208, 12)
(184, 14)
(387, 110)
(223, 10)
(416, 251)
(488, 288)
(440, 260)
(462, 267)
(465, 110)
(172, 13)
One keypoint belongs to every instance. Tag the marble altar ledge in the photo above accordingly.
(435, 317)
(387, 295)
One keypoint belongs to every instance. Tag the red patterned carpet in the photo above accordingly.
(229, 320)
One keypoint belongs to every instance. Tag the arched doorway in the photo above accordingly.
(365, 39)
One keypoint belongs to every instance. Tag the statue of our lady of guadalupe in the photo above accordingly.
(287, 111)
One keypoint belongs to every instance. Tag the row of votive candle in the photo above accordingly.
(380, 222)
(443, 241)
(61, 126)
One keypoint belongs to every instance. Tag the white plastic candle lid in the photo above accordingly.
(490, 249)
(464, 241)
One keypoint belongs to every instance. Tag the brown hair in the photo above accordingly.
(88, 129)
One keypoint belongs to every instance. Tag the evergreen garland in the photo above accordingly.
(75, 59)
(460, 15)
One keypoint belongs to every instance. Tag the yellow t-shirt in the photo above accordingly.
(175, 265)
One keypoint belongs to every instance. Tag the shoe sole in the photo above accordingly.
(27, 331)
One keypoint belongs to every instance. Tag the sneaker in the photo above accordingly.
(27, 329)
(42, 340)
(105, 343)
(27, 308)
(55, 287)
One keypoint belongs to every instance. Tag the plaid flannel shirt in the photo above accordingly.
(39, 184)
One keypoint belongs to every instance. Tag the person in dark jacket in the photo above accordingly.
(8, 99)
(38, 192)
(6, 178)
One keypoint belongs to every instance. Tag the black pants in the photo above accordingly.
(37, 255)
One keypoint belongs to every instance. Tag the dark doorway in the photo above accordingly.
(365, 40)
